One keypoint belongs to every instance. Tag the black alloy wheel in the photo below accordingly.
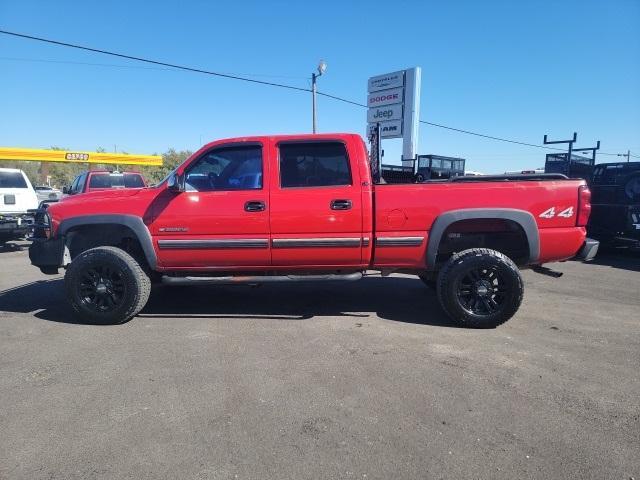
(102, 288)
(480, 288)
(106, 285)
(483, 291)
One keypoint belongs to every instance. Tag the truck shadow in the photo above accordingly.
(620, 258)
(400, 299)
(13, 246)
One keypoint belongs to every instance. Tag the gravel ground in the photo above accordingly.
(360, 380)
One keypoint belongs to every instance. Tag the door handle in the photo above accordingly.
(254, 206)
(340, 204)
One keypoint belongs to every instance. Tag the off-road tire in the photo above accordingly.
(134, 286)
(456, 274)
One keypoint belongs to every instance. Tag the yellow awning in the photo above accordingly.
(72, 156)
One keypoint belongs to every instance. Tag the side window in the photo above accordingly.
(81, 181)
(230, 168)
(74, 185)
(317, 164)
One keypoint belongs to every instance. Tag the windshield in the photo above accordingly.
(12, 180)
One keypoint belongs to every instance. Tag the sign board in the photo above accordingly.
(394, 102)
(385, 97)
(384, 114)
(392, 129)
(36, 155)
(388, 80)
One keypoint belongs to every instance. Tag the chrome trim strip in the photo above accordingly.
(399, 241)
(213, 244)
(365, 241)
(315, 242)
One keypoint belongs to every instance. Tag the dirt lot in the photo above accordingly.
(363, 380)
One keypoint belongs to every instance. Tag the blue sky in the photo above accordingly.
(512, 69)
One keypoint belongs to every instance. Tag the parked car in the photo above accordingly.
(47, 193)
(17, 196)
(95, 180)
(305, 208)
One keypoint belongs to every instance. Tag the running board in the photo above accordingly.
(253, 279)
(546, 271)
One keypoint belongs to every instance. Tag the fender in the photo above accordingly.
(521, 217)
(131, 221)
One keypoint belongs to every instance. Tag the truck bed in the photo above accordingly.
(409, 210)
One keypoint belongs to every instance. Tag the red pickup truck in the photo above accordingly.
(304, 207)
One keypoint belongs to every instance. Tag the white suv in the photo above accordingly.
(17, 196)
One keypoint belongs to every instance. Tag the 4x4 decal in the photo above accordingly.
(551, 212)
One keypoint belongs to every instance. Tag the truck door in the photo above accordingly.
(221, 220)
(316, 205)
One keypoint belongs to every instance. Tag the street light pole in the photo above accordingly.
(322, 66)
(313, 94)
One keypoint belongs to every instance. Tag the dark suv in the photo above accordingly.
(615, 214)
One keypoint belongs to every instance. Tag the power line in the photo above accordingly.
(69, 62)
(262, 82)
(154, 62)
(448, 128)
(113, 65)
(488, 136)
(340, 99)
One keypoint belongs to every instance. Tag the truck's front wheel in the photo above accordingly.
(480, 288)
(105, 285)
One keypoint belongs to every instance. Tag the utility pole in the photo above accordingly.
(628, 155)
(322, 67)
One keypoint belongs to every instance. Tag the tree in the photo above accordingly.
(63, 173)
(170, 160)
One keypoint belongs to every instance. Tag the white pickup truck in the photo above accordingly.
(17, 196)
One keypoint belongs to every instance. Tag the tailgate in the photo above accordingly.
(17, 200)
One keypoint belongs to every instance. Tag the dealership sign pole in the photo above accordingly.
(394, 103)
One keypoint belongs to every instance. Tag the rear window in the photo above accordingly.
(12, 180)
(317, 164)
(110, 180)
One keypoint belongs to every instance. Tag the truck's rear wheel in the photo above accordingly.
(480, 288)
(105, 285)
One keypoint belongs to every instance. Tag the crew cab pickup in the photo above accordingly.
(17, 198)
(304, 208)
